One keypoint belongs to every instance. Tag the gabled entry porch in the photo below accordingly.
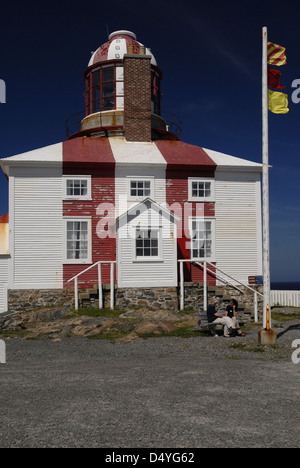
(147, 247)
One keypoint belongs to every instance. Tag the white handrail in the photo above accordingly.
(75, 279)
(234, 279)
(206, 270)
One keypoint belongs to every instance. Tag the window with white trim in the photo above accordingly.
(140, 188)
(77, 187)
(147, 243)
(202, 238)
(77, 240)
(201, 189)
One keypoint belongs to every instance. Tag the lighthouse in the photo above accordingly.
(123, 94)
(124, 204)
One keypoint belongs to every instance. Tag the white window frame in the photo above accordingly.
(145, 259)
(86, 178)
(139, 179)
(78, 261)
(213, 238)
(211, 198)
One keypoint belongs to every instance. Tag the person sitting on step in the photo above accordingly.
(216, 318)
(232, 312)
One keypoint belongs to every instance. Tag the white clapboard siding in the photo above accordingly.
(139, 160)
(3, 282)
(38, 227)
(155, 174)
(238, 224)
(285, 298)
(160, 273)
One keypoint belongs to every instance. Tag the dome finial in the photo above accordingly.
(123, 32)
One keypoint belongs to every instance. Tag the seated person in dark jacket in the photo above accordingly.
(216, 318)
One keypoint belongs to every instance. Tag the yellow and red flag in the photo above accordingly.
(276, 54)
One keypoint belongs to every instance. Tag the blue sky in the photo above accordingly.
(210, 55)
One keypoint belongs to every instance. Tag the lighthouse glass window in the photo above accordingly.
(100, 89)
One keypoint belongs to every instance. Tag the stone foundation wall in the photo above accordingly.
(155, 298)
(22, 300)
(152, 298)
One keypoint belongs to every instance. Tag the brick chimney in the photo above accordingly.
(137, 96)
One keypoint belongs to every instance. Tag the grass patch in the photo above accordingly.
(285, 317)
(187, 311)
(248, 347)
(181, 332)
(14, 333)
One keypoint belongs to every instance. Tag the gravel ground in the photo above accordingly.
(153, 393)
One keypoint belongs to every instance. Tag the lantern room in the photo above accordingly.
(122, 91)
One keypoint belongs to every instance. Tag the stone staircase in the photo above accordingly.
(246, 311)
(90, 297)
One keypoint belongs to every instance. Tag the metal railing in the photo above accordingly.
(218, 277)
(73, 123)
(112, 283)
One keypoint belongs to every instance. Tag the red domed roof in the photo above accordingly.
(117, 47)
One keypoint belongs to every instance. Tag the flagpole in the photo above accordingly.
(265, 181)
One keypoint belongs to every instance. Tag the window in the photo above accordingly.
(155, 93)
(77, 187)
(100, 89)
(140, 188)
(147, 243)
(78, 240)
(202, 238)
(201, 189)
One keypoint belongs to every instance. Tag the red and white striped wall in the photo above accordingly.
(38, 208)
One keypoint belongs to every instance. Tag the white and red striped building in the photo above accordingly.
(124, 188)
